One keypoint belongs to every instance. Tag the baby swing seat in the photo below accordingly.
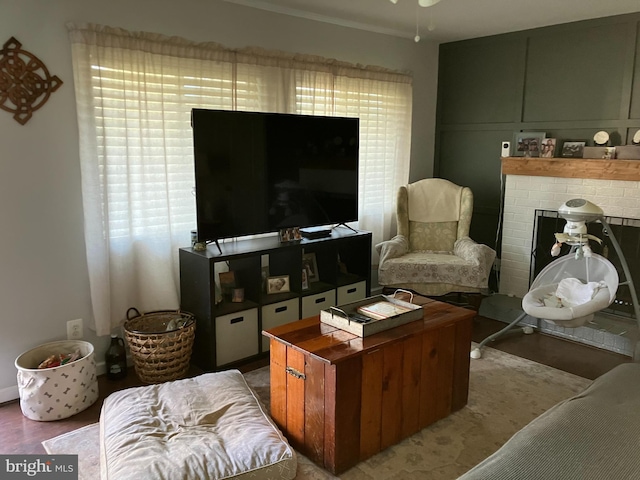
(588, 270)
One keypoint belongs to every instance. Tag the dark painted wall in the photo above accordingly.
(569, 81)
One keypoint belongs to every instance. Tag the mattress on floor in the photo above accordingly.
(208, 427)
(592, 436)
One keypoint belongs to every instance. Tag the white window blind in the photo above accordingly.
(135, 92)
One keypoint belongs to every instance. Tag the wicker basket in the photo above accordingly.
(160, 355)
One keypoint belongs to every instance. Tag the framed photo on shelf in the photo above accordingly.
(290, 235)
(573, 149)
(548, 147)
(527, 144)
(310, 264)
(305, 279)
(278, 284)
(238, 295)
(227, 284)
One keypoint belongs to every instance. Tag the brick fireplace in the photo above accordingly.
(543, 186)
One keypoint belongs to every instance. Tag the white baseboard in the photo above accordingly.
(101, 368)
(9, 394)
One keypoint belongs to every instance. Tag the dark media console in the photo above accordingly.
(229, 333)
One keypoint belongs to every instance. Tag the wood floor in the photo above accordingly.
(577, 358)
(21, 435)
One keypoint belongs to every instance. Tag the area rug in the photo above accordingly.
(505, 393)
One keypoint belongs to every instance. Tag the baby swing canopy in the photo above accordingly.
(595, 268)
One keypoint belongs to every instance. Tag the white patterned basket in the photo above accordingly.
(55, 393)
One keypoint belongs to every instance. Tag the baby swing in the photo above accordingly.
(570, 290)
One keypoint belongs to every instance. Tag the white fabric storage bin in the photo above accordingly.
(55, 393)
(313, 304)
(276, 314)
(352, 293)
(236, 336)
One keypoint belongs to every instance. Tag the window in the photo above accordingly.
(135, 92)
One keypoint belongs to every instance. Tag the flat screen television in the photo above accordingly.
(262, 172)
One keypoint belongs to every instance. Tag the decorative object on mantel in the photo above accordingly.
(527, 144)
(601, 138)
(599, 151)
(572, 149)
(25, 82)
(600, 148)
(548, 147)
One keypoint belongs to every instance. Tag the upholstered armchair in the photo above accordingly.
(432, 253)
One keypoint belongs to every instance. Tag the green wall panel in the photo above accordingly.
(634, 111)
(575, 75)
(479, 83)
(472, 159)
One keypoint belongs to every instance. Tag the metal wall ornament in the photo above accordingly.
(25, 82)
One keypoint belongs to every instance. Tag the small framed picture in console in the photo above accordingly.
(290, 235)
(310, 264)
(278, 284)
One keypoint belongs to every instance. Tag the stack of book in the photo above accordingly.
(382, 310)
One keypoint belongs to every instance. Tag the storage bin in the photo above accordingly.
(55, 393)
(352, 293)
(276, 314)
(236, 336)
(161, 343)
(313, 304)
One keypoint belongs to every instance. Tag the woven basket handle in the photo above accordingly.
(134, 316)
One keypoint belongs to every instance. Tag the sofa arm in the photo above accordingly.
(396, 247)
(474, 252)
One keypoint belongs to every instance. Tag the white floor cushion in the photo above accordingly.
(208, 427)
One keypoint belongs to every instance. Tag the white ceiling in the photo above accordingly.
(450, 19)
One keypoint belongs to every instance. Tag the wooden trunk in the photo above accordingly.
(339, 398)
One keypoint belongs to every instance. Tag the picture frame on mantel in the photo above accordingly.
(548, 148)
(527, 144)
(573, 148)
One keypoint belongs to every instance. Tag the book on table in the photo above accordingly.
(381, 310)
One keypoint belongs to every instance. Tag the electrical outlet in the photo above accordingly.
(74, 329)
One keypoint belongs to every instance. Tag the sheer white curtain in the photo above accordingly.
(384, 109)
(134, 95)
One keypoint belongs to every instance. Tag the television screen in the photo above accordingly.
(261, 172)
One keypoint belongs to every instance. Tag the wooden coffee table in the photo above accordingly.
(340, 399)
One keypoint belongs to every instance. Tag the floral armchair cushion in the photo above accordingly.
(439, 236)
(467, 268)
